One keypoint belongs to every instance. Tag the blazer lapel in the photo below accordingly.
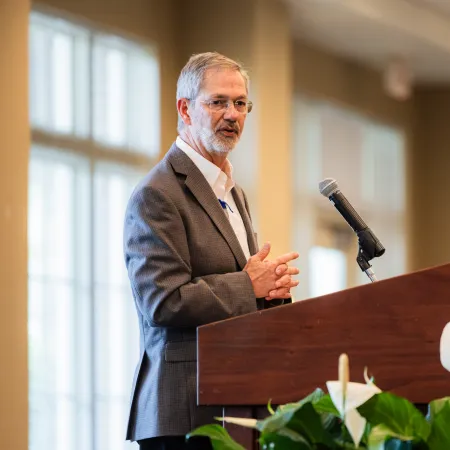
(197, 184)
(245, 215)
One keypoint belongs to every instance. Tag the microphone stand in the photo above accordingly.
(367, 251)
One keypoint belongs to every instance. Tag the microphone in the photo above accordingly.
(370, 245)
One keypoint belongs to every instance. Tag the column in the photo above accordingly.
(14, 149)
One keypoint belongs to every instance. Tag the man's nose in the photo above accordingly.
(231, 113)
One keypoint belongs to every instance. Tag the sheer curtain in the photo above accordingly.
(367, 159)
(94, 113)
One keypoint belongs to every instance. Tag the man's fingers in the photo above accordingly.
(283, 281)
(283, 259)
(292, 284)
(279, 293)
(293, 271)
(285, 284)
(263, 252)
(282, 268)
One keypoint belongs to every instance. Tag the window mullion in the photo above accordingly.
(49, 121)
(129, 117)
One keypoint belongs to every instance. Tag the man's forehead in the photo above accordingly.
(217, 79)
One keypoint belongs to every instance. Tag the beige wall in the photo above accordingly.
(323, 75)
(14, 148)
(205, 27)
(430, 177)
(274, 86)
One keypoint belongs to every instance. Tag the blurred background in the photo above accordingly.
(356, 90)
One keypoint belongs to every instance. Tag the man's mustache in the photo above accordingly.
(234, 126)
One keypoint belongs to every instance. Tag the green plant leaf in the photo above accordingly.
(314, 397)
(331, 419)
(304, 421)
(220, 439)
(308, 423)
(326, 405)
(283, 442)
(397, 444)
(380, 434)
(347, 445)
(332, 424)
(396, 414)
(436, 406)
(439, 438)
(275, 422)
(285, 413)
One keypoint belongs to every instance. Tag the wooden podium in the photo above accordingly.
(392, 326)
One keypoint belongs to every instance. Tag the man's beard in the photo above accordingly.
(215, 142)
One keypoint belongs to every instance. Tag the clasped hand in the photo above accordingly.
(271, 279)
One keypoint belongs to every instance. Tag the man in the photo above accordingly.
(188, 244)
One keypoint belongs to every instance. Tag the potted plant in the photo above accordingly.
(350, 416)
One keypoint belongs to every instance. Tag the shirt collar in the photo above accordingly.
(218, 180)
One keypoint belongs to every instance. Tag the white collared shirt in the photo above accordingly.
(221, 183)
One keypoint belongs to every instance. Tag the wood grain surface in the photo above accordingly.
(393, 327)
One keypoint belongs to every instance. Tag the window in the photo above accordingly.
(368, 162)
(94, 113)
(328, 268)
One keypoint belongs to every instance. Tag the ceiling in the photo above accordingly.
(374, 32)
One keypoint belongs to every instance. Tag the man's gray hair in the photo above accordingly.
(193, 73)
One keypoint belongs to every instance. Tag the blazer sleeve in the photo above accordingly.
(158, 262)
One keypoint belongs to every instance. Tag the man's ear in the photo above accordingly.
(183, 110)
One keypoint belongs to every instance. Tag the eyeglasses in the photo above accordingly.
(221, 104)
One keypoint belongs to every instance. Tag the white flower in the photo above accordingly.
(248, 423)
(445, 347)
(347, 396)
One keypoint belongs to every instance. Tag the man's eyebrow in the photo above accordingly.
(220, 96)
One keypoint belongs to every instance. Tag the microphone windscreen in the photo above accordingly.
(328, 187)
